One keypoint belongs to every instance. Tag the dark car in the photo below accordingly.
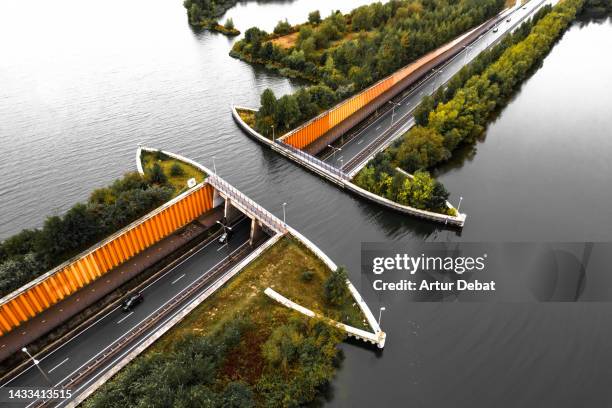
(131, 302)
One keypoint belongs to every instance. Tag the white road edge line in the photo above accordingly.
(113, 310)
(63, 361)
(178, 279)
(124, 317)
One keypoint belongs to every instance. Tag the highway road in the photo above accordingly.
(372, 135)
(62, 362)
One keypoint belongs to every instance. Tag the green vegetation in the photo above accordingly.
(421, 191)
(460, 113)
(598, 8)
(343, 54)
(203, 14)
(239, 348)
(32, 252)
(161, 169)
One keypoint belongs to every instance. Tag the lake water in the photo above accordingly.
(82, 83)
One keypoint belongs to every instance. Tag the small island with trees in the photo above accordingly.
(204, 14)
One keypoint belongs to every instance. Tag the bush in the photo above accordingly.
(176, 170)
(307, 275)
(336, 290)
(156, 175)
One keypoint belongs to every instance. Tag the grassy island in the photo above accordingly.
(165, 169)
(241, 349)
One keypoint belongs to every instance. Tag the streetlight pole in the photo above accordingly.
(334, 149)
(36, 362)
(273, 139)
(214, 166)
(468, 48)
(284, 213)
(436, 75)
(459, 205)
(393, 110)
(341, 164)
(380, 314)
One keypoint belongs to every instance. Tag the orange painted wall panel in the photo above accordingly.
(94, 264)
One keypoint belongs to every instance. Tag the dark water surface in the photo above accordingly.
(82, 83)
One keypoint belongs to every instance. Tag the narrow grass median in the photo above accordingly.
(240, 346)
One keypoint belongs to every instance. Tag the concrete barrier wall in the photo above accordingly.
(458, 220)
(64, 280)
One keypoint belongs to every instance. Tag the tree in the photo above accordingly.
(336, 290)
(156, 174)
(229, 24)
(268, 103)
(314, 17)
(176, 170)
(282, 27)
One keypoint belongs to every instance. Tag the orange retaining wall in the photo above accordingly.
(69, 277)
(315, 128)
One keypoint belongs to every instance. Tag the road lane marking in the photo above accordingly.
(378, 127)
(137, 343)
(66, 359)
(178, 279)
(125, 317)
(117, 307)
(222, 246)
(360, 142)
(139, 323)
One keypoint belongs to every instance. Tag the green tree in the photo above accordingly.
(176, 170)
(156, 174)
(336, 290)
(229, 24)
(314, 17)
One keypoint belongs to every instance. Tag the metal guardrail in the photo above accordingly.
(151, 321)
(249, 205)
(336, 171)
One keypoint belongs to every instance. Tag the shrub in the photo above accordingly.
(176, 170)
(307, 275)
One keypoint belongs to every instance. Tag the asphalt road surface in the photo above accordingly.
(402, 111)
(64, 361)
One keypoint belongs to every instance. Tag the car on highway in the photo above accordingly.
(508, 19)
(495, 29)
(131, 301)
(224, 237)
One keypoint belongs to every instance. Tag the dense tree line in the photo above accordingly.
(476, 67)
(464, 116)
(460, 112)
(32, 252)
(598, 7)
(344, 54)
(298, 357)
(184, 376)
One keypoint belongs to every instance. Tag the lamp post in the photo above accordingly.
(467, 51)
(334, 149)
(459, 205)
(284, 213)
(393, 110)
(36, 362)
(341, 165)
(214, 166)
(273, 139)
(382, 309)
(436, 75)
